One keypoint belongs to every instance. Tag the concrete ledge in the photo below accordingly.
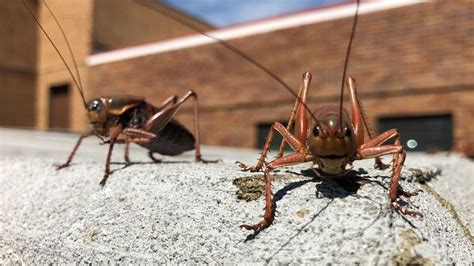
(181, 211)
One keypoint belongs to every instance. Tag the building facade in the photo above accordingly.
(412, 63)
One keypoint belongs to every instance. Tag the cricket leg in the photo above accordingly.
(139, 136)
(374, 148)
(269, 213)
(359, 120)
(114, 133)
(153, 158)
(73, 152)
(107, 163)
(287, 136)
(172, 99)
(161, 118)
(109, 155)
(302, 96)
(126, 158)
(297, 140)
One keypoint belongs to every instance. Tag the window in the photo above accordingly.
(262, 131)
(422, 133)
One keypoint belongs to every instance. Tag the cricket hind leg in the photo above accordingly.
(153, 158)
(297, 139)
(164, 116)
(359, 120)
(375, 148)
(139, 136)
(127, 158)
(287, 136)
(298, 114)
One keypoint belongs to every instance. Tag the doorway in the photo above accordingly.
(59, 107)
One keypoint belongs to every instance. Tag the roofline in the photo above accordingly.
(245, 30)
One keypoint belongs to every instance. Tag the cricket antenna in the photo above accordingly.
(78, 84)
(231, 48)
(346, 61)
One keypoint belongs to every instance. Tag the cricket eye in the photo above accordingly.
(347, 132)
(316, 131)
(94, 106)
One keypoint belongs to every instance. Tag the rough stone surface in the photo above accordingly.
(181, 211)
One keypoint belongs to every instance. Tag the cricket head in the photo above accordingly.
(331, 139)
(97, 114)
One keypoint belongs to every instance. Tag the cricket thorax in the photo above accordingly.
(107, 112)
(135, 117)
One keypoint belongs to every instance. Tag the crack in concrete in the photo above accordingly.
(299, 231)
(451, 210)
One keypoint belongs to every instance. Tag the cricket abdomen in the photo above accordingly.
(173, 139)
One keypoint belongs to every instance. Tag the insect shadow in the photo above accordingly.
(326, 187)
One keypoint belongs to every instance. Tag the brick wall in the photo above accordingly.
(29, 65)
(17, 79)
(407, 61)
(125, 23)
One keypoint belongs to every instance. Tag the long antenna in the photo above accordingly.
(67, 43)
(346, 61)
(231, 48)
(57, 50)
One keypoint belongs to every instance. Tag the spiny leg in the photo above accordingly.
(291, 121)
(269, 213)
(374, 148)
(160, 119)
(139, 136)
(197, 147)
(114, 134)
(263, 154)
(301, 155)
(298, 139)
(395, 189)
(359, 120)
(294, 115)
(73, 152)
(170, 100)
(287, 136)
(301, 121)
(107, 163)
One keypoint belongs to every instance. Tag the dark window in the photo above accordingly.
(421, 133)
(262, 131)
(59, 102)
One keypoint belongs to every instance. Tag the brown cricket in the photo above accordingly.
(131, 119)
(331, 139)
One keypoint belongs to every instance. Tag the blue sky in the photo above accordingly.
(227, 12)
